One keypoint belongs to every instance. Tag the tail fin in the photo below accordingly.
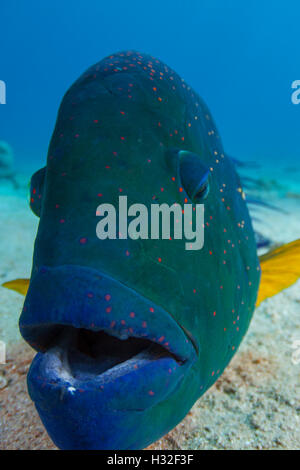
(280, 269)
(18, 285)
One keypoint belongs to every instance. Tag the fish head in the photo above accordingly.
(130, 330)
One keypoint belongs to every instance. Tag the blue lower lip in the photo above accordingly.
(89, 404)
(102, 413)
(136, 384)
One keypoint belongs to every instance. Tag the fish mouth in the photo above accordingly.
(85, 356)
(97, 337)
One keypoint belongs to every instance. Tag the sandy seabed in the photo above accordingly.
(254, 405)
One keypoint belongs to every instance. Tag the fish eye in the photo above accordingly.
(194, 176)
(202, 192)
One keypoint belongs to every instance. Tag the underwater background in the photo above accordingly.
(242, 58)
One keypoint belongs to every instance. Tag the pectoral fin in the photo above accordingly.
(36, 191)
(18, 285)
(280, 269)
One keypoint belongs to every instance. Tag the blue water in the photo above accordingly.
(241, 57)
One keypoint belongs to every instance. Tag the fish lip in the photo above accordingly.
(89, 299)
(51, 380)
(88, 416)
(50, 385)
(81, 296)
